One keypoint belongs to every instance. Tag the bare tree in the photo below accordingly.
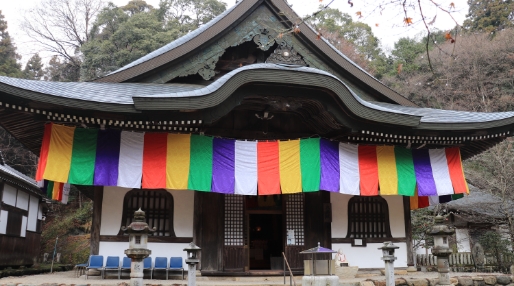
(61, 27)
(478, 77)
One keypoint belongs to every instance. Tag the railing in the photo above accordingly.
(463, 262)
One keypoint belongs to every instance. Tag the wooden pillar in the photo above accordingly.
(317, 220)
(210, 230)
(408, 230)
(97, 220)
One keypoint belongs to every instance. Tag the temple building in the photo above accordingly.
(249, 141)
(21, 214)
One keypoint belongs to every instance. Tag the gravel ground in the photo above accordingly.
(69, 278)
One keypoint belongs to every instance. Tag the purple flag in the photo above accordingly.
(107, 157)
(423, 169)
(329, 155)
(223, 171)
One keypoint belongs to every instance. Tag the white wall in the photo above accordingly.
(3, 221)
(369, 256)
(340, 214)
(9, 195)
(22, 201)
(112, 210)
(33, 213)
(158, 250)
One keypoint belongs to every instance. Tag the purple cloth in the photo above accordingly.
(107, 157)
(423, 169)
(223, 170)
(329, 155)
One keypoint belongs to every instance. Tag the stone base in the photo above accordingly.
(347, 272)
(396, 272)
(411, 269)
(329, 280)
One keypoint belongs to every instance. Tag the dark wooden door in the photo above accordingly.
(234, 250)
(294, 236)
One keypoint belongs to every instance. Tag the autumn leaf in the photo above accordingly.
(280, 35)
(399, 68)
(407, 20)
(359, 14)
(296, 29)
(452, 5)
(376, 24)
(318, 36)
(350, 2)
(449, 37)
(320, 1)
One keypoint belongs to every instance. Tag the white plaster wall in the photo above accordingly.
(23, 231)
(9, 195)
(33, 212)
(396, 217)
(369, 256)
(112, 209)
(158, 250)
(22, 201)
(463, 243)
(3, 221)
(340, 214)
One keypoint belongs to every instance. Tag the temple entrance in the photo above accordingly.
(265, 241)
(265, 232)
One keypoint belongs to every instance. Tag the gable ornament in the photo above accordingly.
(285, 54)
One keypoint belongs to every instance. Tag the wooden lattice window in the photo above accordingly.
(295, 219)
(368, 217)
(158, 208)
(234, 220)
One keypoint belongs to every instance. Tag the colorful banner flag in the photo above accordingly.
(202, 163)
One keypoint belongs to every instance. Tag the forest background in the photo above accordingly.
(470, 67)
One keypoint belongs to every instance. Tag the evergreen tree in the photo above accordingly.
(34, 68)
(489, 15)
(8, 57)
(121, 35)
(58, 70)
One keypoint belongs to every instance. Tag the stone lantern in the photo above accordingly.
(192, 260)
(138, 250)
(441, 233)
(388, 256)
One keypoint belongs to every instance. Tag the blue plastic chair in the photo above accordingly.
(147, 265)
(80, 269)
(176, 265)
(95, 262)
(113, 263)
(125, 265)
(161, 263)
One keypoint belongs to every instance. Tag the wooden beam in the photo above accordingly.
(408, 230)
(369, 239)
(97, 220)
(157, 239)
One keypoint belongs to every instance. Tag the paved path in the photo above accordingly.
(69, 278)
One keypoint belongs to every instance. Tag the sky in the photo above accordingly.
(386, 22)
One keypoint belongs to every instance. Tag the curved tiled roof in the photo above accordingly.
(132, 97)
(212, 29)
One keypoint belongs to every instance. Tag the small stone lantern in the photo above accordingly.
(138, 250)
(192, 260)
(441, 233)
(388, 256)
